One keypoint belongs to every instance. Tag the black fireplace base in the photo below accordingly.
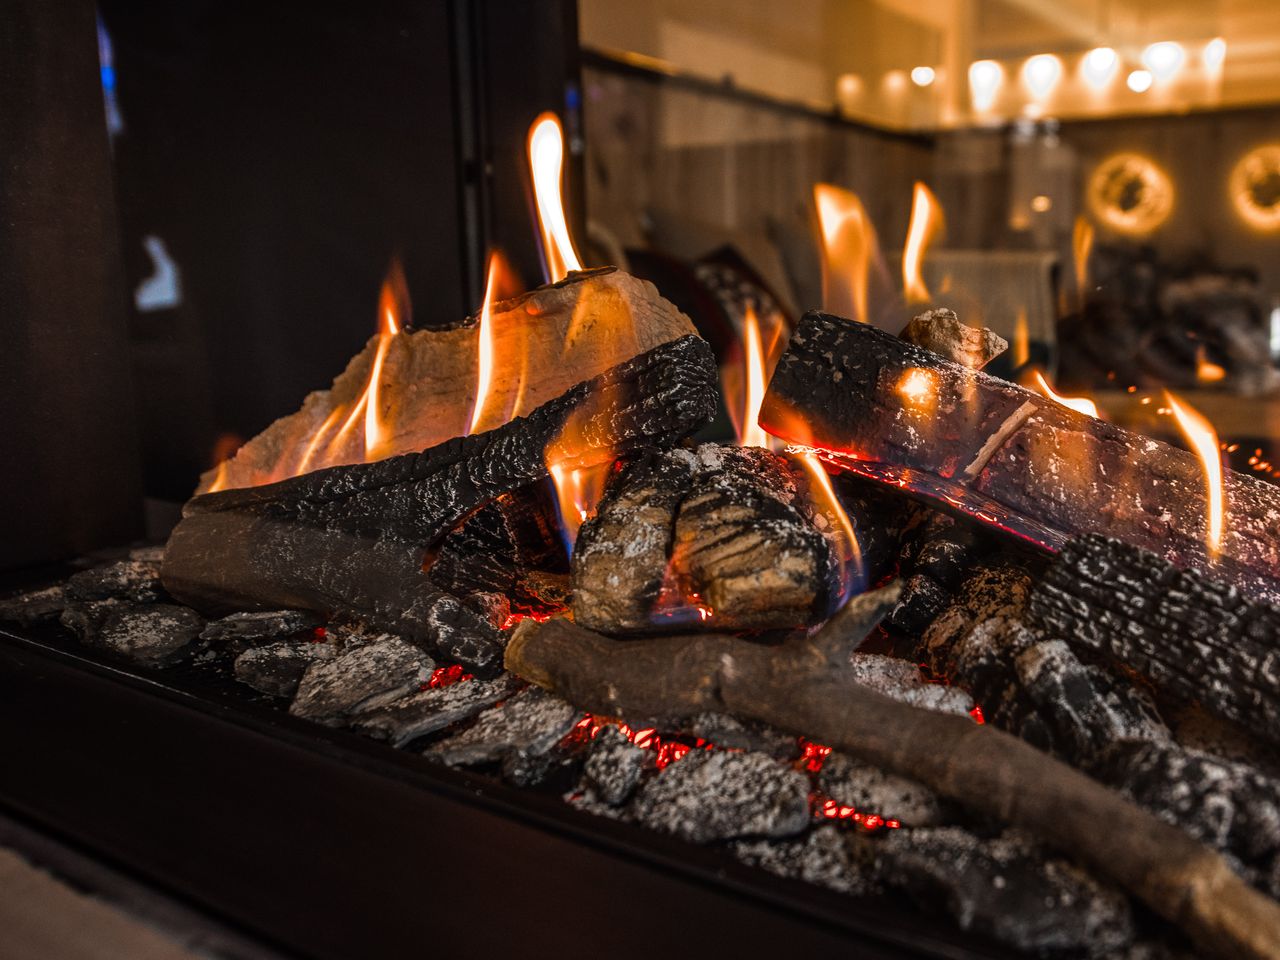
(321, 844)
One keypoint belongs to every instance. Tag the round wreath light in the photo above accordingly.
(1254, 186)
(1130, 194)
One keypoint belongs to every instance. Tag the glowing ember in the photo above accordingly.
(919, 388)
(850, 551)
(926, 223)
(1203, 439)
(666, 751)
(1206, 370)
(484, 348)
(447, 677)
(1078, 404)
(546, 162)
(848, 247)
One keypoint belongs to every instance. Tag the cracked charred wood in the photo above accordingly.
(714, 538)
(351, 542)
(850, 388)
(545, 342)
(806, 687)
(1192, 636)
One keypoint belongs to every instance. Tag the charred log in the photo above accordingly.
(351, 542)
(1191, 636)
(805, 687)
(850, 388)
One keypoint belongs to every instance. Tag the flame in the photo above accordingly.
(846, 538)
(1203, 439)
(919, 389)
(1021, 339)
(848, 245)
(578, 493)
(224, 448)
(546, 162)
(1081, 247)
(926, 222)
(484, 347)
(1206, 370)
(744, 384)
(314, 445)
(1078, 404)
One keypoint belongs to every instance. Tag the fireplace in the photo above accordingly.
(605, 603)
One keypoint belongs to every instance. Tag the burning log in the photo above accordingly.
(868, 396)
(805, 686)
(1191, 636)
(722, 537)
(542, 344)
(351, 542)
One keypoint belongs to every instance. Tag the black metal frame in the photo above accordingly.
(326, 845)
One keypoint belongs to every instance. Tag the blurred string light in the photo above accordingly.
(895, 81)
(1164, 59)
(1215, 52)
(1099, 66)
(923, 76)
(985, 78)
(1139, 81)
(1041, 74)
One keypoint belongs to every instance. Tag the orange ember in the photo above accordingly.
(546, 163)
(926, 223)
(1203, 440)
(848, 246)
(1078, 404)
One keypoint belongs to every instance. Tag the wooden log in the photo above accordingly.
(545, 342)
(850, 388)
(714, 538)
(1190, 635)
(352, 542)
(806, 687)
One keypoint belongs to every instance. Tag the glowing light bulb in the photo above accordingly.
(1164, 59)
(1099, 66)
(923, 76)
(1215, 52)
(1139, 81)
(1041, 74)
(985, 77)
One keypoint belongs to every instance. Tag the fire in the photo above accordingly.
(848, 246)
(919, 388)
(1203, 439)
(223, 450)
(1081, 247)
(926, 222)
(1206, 370)
(1021, 339)
(484, 348)
(578, 493)
(825, 499)
(744, 384)
(546, 163)
(393, 312)
(1079, 404)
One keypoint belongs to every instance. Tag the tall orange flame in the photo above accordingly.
(1021, 339)
(848, 246)
(484, 347)
(744, 385)
(1079, 404)
(1203, 439)
(546, 162)
(825, 499)
(926, 223)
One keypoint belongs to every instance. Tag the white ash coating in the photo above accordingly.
(360, 679)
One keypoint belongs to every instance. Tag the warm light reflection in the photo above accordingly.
(1041, 74)
(484, 347)
(1215, 54)
(1021, 339)
(985, 78)
(1131, 194)
(1206, 370)
(1254, 186)
(1081, 247)
(825, 499)
(919, 389)
(1203, 440)
(1099, 66)
(1078, 404)
(546, 163)
(926, 223)
(848, 245)
(1164, 59)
